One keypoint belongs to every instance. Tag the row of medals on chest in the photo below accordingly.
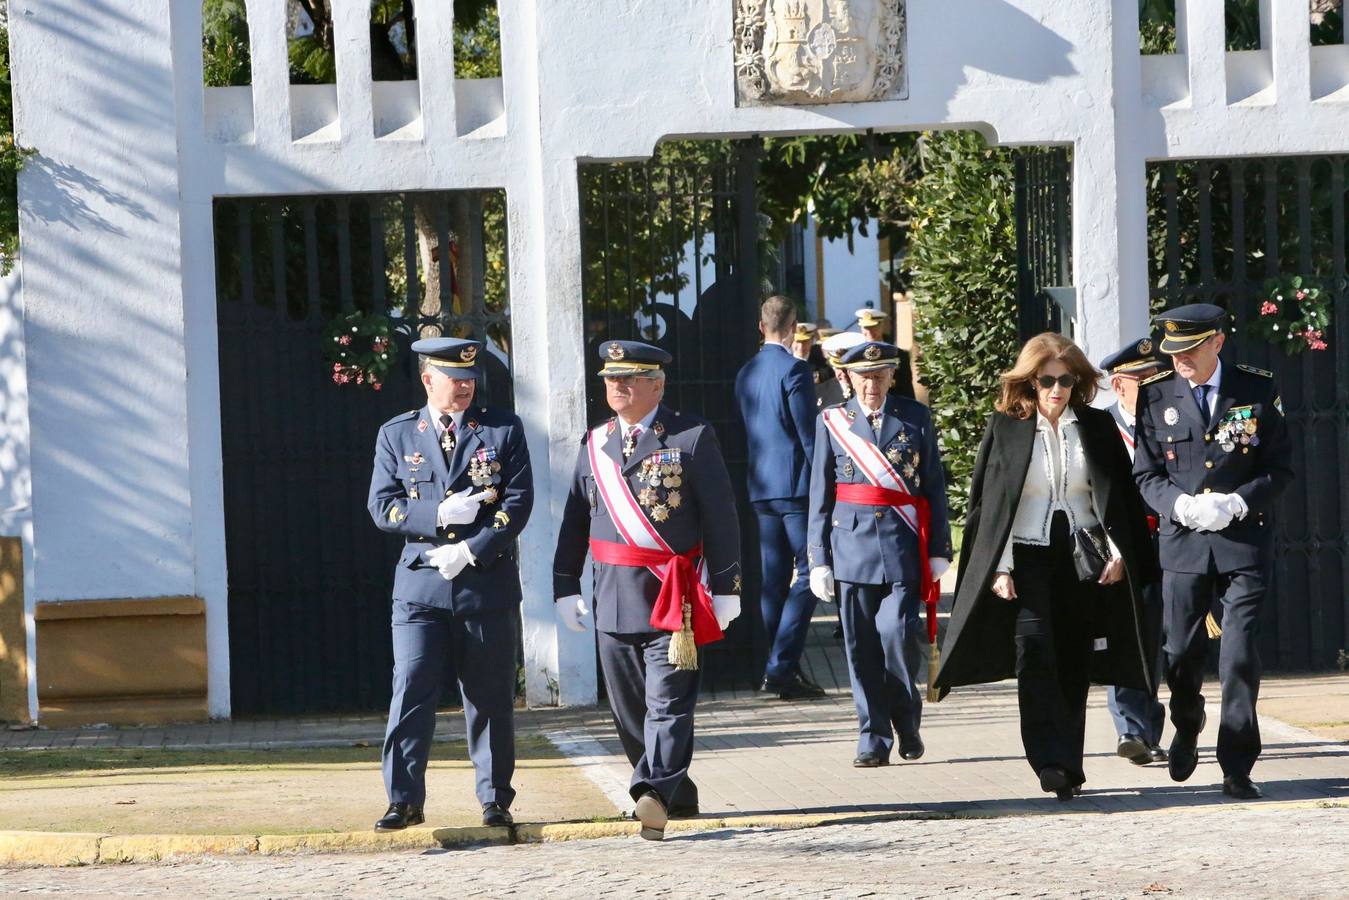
(661, 475)
(1238, 427)
(895, 454)
(484, 469)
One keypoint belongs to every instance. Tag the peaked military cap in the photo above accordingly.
(455, 357)
(1134, 356)
(870, 355)
(836, 345)
(631, 358)
(805, 331)
(870, 318)
(1186, 327)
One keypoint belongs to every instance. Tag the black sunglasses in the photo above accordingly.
(1064, 381)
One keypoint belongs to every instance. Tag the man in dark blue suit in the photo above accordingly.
(454, 479)
(1212, 458)
(880, 539)
(651, 502)
(1138, 715)
(776, 393)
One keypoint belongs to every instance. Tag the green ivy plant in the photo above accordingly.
(962, 252)
(12, 158)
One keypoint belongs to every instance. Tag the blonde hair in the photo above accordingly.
(1017, 395)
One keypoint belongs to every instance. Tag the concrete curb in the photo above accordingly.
(46, 849)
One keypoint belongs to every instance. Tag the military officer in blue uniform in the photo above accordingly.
(1138, 715)
(877, 470)
(649, 483)
(776, 395)
(454, 479)
(1212, 458)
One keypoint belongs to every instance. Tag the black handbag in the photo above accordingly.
(1090, 552)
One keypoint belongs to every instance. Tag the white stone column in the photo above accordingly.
(95, 93)
(546, 328)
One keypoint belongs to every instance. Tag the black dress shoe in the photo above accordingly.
(494, 816)
(400, 816)
(1134, 749)
(683, 811)
(911, 746)
(1156, 754)
(869, 760)
(1241, 788)
(1184, 754)
(652, 814)
(795, 686)
(1054, 780)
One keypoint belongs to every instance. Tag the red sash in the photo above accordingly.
(870, 495)
(680, 584)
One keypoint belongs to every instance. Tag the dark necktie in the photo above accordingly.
(447, 440)
(1201, 397)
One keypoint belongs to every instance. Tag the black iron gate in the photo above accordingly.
(1217, 230)
(309, 575)
(670, 257)
(1043, 202)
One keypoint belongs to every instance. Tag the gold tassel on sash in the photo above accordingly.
(933, 664)
(683, 649)
(1215, 630)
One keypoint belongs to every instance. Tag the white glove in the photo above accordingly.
(1210, 513)
(938, 565)
(1234, 504)
(450, 559)
(571, 610)
(726, 607)
(822, 583)
(1184, 511)
(460, 508)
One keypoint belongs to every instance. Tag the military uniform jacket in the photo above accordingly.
(873, 544)
(705, 512)
(410, 479)
(1245, 450)
(777, 401)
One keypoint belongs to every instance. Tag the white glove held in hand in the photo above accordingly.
(1210, 512)
(726, 607)
(822, 583)
(1183, 512)
(1233, 504)
(450, 559)
(460, 508)
(571, 610)
(938, 565)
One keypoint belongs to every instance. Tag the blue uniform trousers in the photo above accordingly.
(1136, 711)
(882, 636)
(1188, 599)
(786, 606)
(481, 648)
(652, 702)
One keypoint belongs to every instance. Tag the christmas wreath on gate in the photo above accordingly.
(359, 348)
(1294, 314)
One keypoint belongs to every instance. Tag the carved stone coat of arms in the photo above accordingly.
(819, 51)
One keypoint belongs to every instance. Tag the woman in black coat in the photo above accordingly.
(1049, 465)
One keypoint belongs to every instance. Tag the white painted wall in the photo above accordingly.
(119, 284)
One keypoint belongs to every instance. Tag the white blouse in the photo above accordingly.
(1056, 481)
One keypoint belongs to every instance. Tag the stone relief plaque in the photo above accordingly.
(819, 51)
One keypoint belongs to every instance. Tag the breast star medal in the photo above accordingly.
(1171, 415)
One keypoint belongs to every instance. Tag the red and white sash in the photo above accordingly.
(1128, 438)
(870, 460)
(630, 521)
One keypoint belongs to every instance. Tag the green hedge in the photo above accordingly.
(962, 253)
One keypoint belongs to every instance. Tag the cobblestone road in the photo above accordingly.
(1230, 851)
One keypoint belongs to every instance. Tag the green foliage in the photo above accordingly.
(225, 60)
(477, 42)
(962, 253)
(12, 158)
(360, 348)
(1157, 26)
(1293, 315)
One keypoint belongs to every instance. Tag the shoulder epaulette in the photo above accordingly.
(1160, 376)
(1254, 371)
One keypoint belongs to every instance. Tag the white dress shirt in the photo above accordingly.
(1056, 481)
(642, 425)
(456, 417)
(1213, 381)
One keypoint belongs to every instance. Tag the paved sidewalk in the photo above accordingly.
(758, 756)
